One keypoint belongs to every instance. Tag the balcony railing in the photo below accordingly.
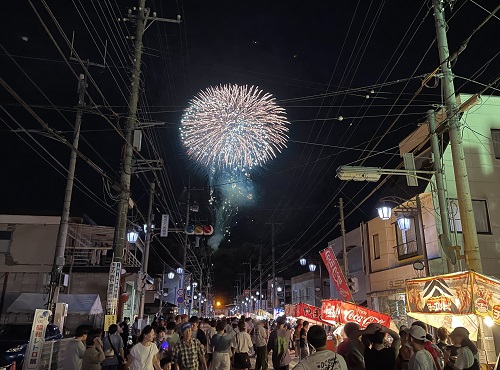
(96, 257)
(407, 250)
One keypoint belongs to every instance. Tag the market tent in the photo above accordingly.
(85, 304)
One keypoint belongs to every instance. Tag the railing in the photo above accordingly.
(89, 257)
(407, 250)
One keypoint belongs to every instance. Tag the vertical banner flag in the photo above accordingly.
(336, 274)
(113, 286)
(37, 337)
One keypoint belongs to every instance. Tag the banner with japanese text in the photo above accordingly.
(34, 349)
(306, 311)
(336, 274)
(290, 310)
(450, 293)
(335, 311)
(486, 297)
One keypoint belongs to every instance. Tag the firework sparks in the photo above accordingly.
(235, 127)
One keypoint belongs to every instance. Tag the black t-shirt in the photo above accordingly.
(303, 333)
(379, 360)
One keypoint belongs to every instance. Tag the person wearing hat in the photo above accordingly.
(421, 358)
(467, 357)
(188, 353)
(322, 358)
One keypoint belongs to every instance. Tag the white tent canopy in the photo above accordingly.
(85, 304)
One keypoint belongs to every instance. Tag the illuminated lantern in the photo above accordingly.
(302, 261)
(124, 297)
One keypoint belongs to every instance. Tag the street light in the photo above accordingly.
(302, 261)
(384, 212)
(170, 275)
(180, 270)
(132, 236)
(404, 223)
(312, 267)
(279, 289)
(358, 173)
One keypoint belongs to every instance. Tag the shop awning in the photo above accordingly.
(85, 304)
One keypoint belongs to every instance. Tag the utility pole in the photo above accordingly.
(273, 250)
(438, 168)
(342, 231)
(145, 258)
(62, 234)
(260, 277)
(131, 130)
(250, 282)
(471, 244)
(186, 246)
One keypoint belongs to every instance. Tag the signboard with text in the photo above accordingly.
(335, 311)
(37, 337)
(113, 286)
(306, 311)
(336, 274)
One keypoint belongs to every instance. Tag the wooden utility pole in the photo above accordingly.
(471, 243)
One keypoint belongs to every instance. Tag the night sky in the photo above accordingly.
(359, 60)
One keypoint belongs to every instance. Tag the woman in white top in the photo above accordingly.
(143, 356)
(242, 344)
(467, 357)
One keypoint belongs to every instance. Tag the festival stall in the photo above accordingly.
(457, 299)
(309, 313)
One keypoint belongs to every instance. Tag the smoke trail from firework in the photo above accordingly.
(230, 130)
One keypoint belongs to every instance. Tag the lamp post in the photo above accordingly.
(360, 173)
(312, 267)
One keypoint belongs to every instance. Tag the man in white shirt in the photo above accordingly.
(261, 337)
(322, 358)
(421, 358)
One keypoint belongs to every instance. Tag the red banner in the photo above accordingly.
(290, 310)
(336, 274)
(343, 312)
(307, 311)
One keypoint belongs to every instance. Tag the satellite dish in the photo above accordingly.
(448, 249)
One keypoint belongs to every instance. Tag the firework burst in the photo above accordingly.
(233, 127)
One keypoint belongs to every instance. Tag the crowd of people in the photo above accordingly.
(184, 343)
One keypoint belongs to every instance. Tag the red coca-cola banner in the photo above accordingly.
(307, 311)
(336, 274)
(343, 312)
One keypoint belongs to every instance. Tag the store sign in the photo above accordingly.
(164, 225)
(451, 293)
(343, 312)
(486, 296)
(113, 287)
(37, 337)
(336, 274)
(308, 311)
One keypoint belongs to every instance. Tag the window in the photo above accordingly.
(495, 141)
(308, 293)
(481, 217)
(5, 237)
(376, 247)
(406, 240)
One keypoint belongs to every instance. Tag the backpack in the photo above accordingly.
(436, 354)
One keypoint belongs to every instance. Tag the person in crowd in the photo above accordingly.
(432, 348)
(405, 352)
(94, 353)
(221, 345)
(188, 353)
(210, 331)
(125, 328)
(442, 336)
(304, 346)
(377, 355)
(421, 358)
(322, 358)
(171, 336)
(113, 349)
(196, 332)
(296, 337)
(352, 348)
(76, 349)
(143, 354)
(242, 344)
(261, 337)
(135, 330)
(279, 344)
(161, 341)
(467, 356)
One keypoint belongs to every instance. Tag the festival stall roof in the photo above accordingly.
(84, 304)
(338, 312)
(452, 300)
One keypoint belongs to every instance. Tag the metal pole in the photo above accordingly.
(161, 292)
(62, 234)
(184, 258)
(274, 269)
(260, 277)
(471, 243)
(443, 209)
(145, 259)
(201, 293)
(342, 230)
(119, 240)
